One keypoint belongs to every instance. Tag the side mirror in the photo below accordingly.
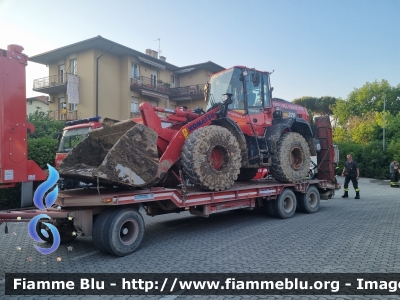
(270, 92)
(227, 98)
(57, 136)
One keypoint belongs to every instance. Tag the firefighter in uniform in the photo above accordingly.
(351, 172)
(394, 174)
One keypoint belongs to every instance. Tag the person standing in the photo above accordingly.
(351, 173)
(394, 174)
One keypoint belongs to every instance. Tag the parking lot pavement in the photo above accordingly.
(344, 236)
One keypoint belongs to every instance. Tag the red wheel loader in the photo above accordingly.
(228, 142)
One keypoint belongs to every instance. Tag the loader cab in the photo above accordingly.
(250, 89)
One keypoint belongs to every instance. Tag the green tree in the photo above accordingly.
(321, 106)
(45, 126)
(368, 99)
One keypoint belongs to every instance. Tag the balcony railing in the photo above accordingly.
(149, 84)
(51, 81)
(64, 115)
(135, 114)
(186, 91)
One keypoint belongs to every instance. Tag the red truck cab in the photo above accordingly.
(75, 132)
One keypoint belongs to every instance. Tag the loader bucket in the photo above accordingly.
(123, 154)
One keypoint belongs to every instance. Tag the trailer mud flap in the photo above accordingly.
(123, 154)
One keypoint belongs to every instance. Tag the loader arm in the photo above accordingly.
(132, 154)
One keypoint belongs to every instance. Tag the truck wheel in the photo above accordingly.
(64, 237)
(99, 228)
(309, 202)
(292, 161)
(285, 206)
(211, 158)
(123, 232)
(247, 174)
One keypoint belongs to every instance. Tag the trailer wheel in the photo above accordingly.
(285, 206)
(310, 201)
(211, 158)
(64, 236)
(247, 174)
(291, 163)
(123, 232)
(98, 229)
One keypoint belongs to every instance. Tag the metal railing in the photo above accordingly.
(187, 90)
(64, 115)
(135, 114)
(150, 84)
(47, 82)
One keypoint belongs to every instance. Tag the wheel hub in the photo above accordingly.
(218, 158)
(288, 204)
(128, 232)
(296, 158)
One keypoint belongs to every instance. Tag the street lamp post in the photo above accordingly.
(384, 120)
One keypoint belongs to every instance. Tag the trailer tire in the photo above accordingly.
(310, 201)
(124, 231)
(64, 238)
(291, 162)
(247, 174)
(98, 229)
(211, 158)
(284, 206)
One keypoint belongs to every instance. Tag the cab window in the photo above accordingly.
(267, 100)
(253, 91)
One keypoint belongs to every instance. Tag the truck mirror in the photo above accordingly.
(57, 136)
(270, 92)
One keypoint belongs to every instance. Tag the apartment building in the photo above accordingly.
(100, 77)
(34, 102)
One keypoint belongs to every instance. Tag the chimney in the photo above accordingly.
(154, 54)
(148, 51)
(163, 58)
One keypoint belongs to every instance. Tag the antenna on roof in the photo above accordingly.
(159, 47)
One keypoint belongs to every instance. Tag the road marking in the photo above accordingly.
(84, 255)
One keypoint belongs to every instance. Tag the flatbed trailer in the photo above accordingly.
(111, 216)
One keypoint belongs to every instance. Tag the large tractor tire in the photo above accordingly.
(211, 158)
(247, 174)
(292, 161)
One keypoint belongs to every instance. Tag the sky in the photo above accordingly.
(315, 47)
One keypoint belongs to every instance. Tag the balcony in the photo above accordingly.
(64, 115)
(151, 88)
(191, 92)
(53, 84)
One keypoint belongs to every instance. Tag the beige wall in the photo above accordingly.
(31, 106)
(109, 86)
(193, 78)
(114, 80)
(86, 66)
(124, 87)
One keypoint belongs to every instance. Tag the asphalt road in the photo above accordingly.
(344, 236)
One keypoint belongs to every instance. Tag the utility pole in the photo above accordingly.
(384, 120)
